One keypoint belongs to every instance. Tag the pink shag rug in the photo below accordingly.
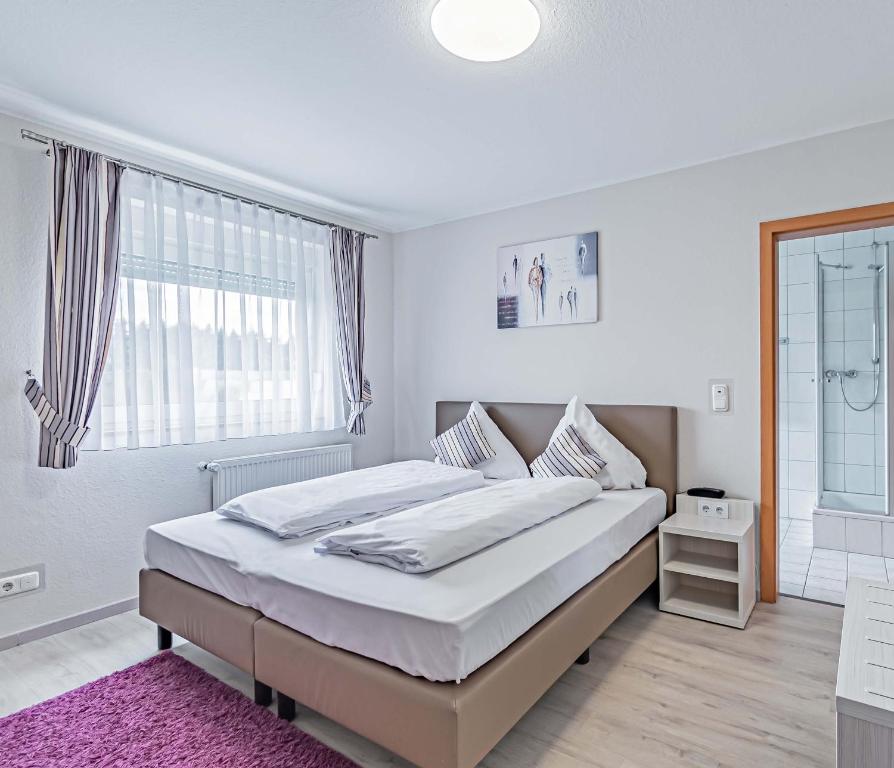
(164, 712)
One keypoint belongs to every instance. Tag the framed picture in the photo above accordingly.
(548, 282)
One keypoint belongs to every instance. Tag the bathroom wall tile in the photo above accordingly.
(782, 413)
(802, 417)
(782, 503)
(782, 478)
(801, 504)
(879, 418)
(833, 476)
(802, 357)
(858, 325)
(801, 388)
(828, 531)
(832, 388)
(862, 388)
(833, 326)
(783, 304)
(805, 245)
(863, 536)
(833, 417)
(859, 449)
(782, 444)
(858, 238)
(883, 234)
(858, 355)
(833, 293)
(801, 268)
(801, 298)
(858, 259)
(858, 293)
(858, 479)
(879, 449)
(802, 475)
(802, 446)
(833, 447)
(782, 271)
(833, 355)
(802, 327)
(861, 422)
(880, 481)
(888, 541)
(833, 242)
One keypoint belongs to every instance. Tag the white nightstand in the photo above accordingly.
(706, 565)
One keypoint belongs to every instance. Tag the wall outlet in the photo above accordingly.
(10, 585)
(24, 581)
(716, 508)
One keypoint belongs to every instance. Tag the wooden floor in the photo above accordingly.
(660, 690)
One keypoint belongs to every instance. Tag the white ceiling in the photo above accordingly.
(355, 102)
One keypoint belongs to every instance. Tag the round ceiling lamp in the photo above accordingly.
(485, 30)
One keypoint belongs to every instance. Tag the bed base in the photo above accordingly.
(434, 725)
(165, 638)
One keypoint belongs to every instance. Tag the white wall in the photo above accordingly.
(678, 270)
(86, 524)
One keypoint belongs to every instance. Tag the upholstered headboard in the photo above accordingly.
(650, 431)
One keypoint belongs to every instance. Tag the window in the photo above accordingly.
(224, 326)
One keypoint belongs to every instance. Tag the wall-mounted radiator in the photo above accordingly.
(243, 474)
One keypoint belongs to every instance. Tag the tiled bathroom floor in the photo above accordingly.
(822, 574)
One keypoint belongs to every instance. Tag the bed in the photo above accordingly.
(380, 652)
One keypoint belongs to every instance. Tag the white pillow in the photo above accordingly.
(507, 464)
(622, 470)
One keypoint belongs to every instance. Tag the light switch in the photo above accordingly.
(720, 397)
(29, 581)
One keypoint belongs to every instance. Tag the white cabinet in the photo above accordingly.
(706, 565)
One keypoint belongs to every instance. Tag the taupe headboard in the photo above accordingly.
(650, 431)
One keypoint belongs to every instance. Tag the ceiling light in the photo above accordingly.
(485, 30)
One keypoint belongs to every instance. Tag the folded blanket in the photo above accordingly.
(434, 535)
(316, 505)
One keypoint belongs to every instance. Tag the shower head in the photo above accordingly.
(834, 266)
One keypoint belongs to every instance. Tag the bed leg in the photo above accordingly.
(285, 706)
(263, 694)
(584, 658)
(164, 638)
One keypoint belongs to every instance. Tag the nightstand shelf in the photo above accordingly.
(706, 565)
(702, 564)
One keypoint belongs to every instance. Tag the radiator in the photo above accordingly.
(243, 474)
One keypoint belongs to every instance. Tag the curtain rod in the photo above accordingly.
(41, 139)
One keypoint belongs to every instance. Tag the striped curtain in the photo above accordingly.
(82, 283)
(350, 307)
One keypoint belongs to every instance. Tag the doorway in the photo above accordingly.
(815, 466)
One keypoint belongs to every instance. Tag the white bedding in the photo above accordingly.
(299, 509)
(441, 625)
(434, 535)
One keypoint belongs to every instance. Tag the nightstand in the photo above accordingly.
(706, 565)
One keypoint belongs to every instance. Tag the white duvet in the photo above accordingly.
(434, 535)
(312, 506)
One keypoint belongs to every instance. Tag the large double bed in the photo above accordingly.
(437, 666)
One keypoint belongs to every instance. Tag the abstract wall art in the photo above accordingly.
(548, 282)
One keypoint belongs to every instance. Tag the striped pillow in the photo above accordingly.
(464, 444)
(568, 454)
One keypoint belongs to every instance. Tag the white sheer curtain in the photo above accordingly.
(225, 325)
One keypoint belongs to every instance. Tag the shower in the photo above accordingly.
(851, 373)
(834, 315)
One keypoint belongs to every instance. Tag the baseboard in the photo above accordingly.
(70, 622)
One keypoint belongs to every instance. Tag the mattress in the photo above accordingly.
(440, 625)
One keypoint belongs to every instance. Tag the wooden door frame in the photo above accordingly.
(772, 232)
